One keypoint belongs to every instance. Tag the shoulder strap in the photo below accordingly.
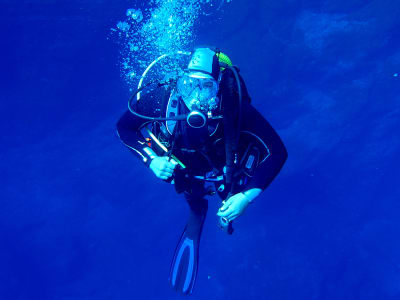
(231, 116)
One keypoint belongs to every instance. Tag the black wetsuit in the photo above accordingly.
(203, 151)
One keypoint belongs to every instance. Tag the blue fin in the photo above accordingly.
(186, 258)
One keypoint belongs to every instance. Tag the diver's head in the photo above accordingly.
(198, 86)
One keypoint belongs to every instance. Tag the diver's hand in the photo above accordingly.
(233, 207)
(162, 167)
(236, 205)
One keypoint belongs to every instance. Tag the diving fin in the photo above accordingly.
(185, 262)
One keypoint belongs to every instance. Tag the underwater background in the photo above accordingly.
(82, 218)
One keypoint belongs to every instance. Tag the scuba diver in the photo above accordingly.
(206, 139)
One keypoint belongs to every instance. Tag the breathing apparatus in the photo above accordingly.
(197, 87)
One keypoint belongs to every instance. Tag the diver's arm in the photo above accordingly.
(251, 194)
(128, 132)
(265, 173)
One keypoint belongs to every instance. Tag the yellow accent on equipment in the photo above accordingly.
(222, 57)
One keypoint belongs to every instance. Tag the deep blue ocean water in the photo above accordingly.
(81, 218)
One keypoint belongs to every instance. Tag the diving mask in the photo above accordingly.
(198, 92)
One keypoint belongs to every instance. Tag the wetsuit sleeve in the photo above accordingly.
(128, 130)
(265, 173)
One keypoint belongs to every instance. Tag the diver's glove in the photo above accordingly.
(236, 205)
(163, 167)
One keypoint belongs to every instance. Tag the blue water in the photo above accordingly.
(81, 218)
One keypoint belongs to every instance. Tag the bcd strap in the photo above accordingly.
(231, 111)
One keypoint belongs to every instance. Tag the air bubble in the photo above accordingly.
(167, 26)
(135, 14)
(123, 26)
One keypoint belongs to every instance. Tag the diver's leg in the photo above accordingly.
(185, 262)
